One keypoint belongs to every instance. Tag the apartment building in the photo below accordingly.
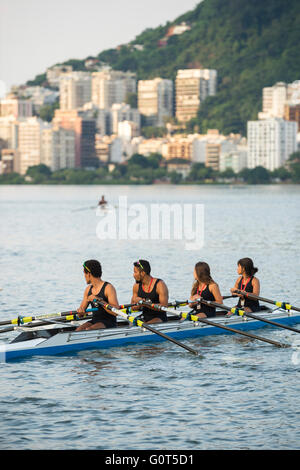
(270, 142)
(109, 149)
(7, 162)
(155, 100)
(39, 96)
(16, 107)
(178, 147)
(123, 112)
(58, 148)
(85, 130)
(75, 89)
(273, 101)
(9, 131)
(192, 87)
(233, 158)
(277, 97)
(111, 86)
(29, 143)
(292, 113)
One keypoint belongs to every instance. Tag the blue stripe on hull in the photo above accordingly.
(108, 343)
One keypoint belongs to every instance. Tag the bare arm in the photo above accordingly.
(83, 306)
(256, 286)
(111, 295)
(163, 293)
(216, 293)
(135, 298)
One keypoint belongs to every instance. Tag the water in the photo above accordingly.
(237, 394)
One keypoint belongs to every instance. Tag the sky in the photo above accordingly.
(36, 34)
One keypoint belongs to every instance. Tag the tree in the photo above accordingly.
(39, 173)
(139, 160)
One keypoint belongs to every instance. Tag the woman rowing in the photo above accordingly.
(97, 288)
(151, 289)
(247, 282)
(206, 288)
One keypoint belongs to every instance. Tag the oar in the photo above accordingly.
(21, 319)
(241, 312)
(224, 327)
(284, 305)
(84, 208)
(115, 311)
(63, 320)
(265, 320)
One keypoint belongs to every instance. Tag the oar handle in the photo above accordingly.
(158, 307)
(225, 327)
(284, 305)
(20, 320)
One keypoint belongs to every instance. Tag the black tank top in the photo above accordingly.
(101, 315)
(248, 287)
(206, 295)
(148, 314)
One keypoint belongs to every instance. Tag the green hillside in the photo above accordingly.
(252, 44)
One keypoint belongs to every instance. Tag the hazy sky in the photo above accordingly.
(35, 34)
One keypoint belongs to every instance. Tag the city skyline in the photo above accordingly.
(23, 26)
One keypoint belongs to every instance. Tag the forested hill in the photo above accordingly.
(251, 43)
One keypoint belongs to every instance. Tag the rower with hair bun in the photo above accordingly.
(247, 282)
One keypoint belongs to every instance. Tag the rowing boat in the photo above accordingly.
(63, 339)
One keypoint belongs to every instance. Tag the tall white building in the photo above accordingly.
(75, 90)
(111, 86)
(273, 101)
(58, 148)
(155, 100)
(270, 142)
(29, 142)
(192, 87)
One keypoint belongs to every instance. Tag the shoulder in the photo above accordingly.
(160, 284)
(255, 280)
(108, 286)
(213, 286)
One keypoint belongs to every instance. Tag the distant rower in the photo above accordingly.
(248, 283)
(97, 288)
(102, 201)
(149, 288)
(205, 287)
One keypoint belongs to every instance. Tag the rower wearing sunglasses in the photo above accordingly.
(150, 289)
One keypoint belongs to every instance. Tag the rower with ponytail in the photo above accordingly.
(247, 282)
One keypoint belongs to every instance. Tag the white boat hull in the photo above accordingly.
(71, 341)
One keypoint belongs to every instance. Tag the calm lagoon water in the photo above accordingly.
(237, 394)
